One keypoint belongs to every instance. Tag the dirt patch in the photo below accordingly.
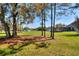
(21, 39)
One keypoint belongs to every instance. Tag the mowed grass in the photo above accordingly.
(2, 34)
(64, 44)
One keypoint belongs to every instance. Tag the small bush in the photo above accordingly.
(17, 46)
(5, 51)
(42, 45)
(27, 43)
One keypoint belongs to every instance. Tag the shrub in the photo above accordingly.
(42, 45)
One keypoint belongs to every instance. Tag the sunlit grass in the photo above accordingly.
(2, 34)
(36, 33)
(64, 44)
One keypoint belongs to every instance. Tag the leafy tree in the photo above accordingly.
(53, 10)
(41, 12)
(14, 14)
(20, 10)
(2, 19)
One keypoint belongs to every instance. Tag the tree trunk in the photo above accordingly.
(14, 27)
(42, 23)
(7, 30)
(51, 35)
(54, 19)
(14, 20)
(6, 27)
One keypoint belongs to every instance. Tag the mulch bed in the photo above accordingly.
(21, 39)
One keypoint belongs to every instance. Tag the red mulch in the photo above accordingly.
(21, 39)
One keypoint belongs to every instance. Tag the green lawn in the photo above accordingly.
(64, 44)
(2, 34)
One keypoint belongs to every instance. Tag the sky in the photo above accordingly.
(59, 19)
(62, 19)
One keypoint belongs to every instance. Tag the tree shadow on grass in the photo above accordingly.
(12, 50)
(72, 35)
(16, 48)
(4, 38)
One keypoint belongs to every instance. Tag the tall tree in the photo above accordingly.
(44, 24)
(54, 19)
(53, 12)
(14, 14)
(51, 35)
(40, 11)
(2, 19)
